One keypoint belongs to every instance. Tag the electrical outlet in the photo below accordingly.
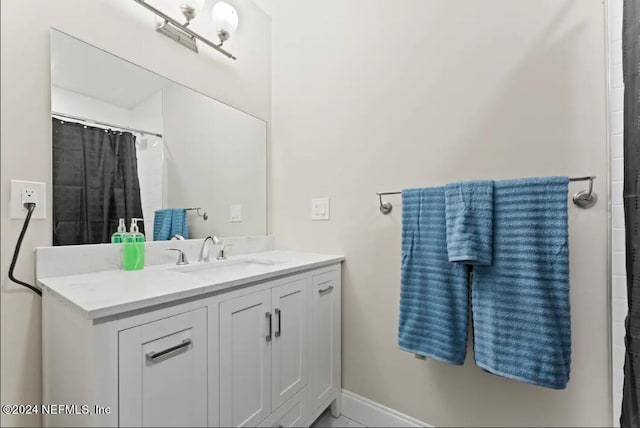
(29, 195)
(28, 191)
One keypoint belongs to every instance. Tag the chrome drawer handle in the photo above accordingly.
(268, 315)
(152, 356)
(326, 290)
(279, 315)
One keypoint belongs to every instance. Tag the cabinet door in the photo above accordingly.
(325, 349)
(290, 303)
(163, 372)
(245, 360)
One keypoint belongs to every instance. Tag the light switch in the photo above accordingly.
(320, 209)
(235, 213)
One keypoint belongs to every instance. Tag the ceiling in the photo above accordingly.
(85, 69)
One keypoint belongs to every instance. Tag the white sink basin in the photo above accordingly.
(214, 266)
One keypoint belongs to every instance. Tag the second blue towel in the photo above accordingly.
(521, 315)
(469, 207)
(433, 292)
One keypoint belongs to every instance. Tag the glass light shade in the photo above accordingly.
(224, 17)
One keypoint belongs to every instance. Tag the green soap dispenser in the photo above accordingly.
(133, 254)
(118, 237)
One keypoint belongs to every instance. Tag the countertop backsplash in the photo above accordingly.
(79, 259)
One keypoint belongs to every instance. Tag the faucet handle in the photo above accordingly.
(182, 258)
(221, 255)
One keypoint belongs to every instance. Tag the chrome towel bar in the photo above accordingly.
(584, 199)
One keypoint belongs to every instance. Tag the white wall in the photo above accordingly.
(229, 168)
(373, 95)
(76, 104)
(147, 116)
(124, 29)
(616, 129)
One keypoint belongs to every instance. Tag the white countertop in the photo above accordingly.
(107, 293)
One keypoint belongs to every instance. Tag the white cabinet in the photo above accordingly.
(162, 375)
(325, 350)
(263, 354)
(291, 339)
(264, 349)
(245, 359)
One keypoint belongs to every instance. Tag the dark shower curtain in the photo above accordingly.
(630, 416)
(95, 182)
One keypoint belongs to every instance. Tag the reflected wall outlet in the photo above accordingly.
(28, 191)
(235, 213)
(320, 209)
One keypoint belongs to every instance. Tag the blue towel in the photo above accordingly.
(169, 222)
(521, 313)
(433, 294)
(469, 208)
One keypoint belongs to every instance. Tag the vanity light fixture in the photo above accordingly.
(225, 20)
(189, 9)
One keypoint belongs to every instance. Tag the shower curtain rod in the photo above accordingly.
(108, 125)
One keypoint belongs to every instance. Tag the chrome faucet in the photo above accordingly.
(206, 245)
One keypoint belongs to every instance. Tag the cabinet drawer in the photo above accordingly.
(325, 282)
(163, 372)
(293, 413)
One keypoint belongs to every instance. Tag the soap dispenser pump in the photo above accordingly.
(133, 254)
(118, 237)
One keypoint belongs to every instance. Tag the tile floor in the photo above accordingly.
(327, 421)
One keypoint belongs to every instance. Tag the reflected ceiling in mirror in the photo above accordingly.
(129, 143)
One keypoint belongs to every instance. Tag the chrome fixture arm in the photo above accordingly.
(584, 199)
(204, 215)
(182, 28)
(386, 207)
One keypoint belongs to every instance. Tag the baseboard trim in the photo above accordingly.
(372, 414)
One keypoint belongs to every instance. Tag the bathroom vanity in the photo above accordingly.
(253, 340)
(249, 341)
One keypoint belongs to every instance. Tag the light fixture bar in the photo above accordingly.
(191, 34)
(177, 35)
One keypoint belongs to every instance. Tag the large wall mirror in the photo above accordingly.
(128, 143)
